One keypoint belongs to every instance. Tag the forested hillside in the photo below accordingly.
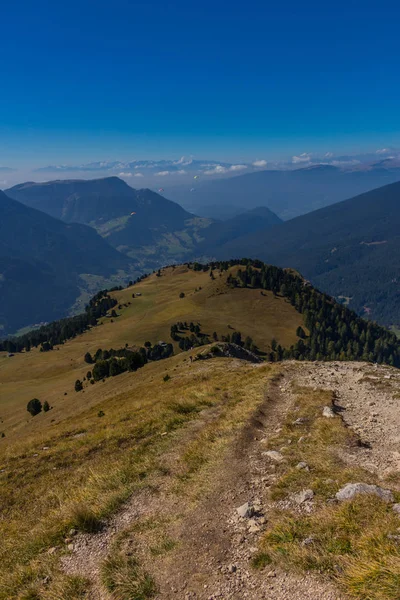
(350, 250)
(46, 264)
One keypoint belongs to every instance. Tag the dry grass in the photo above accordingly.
(48, 376)
(352, 541)
(124, 578)
(93, 465)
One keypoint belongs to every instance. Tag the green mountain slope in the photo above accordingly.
(222, 232)
(42, 261)
(140, 223)
(350, 250)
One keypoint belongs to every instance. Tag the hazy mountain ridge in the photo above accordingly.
(350, 249)
(288, 193)
(41, 262)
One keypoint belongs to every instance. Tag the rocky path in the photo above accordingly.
(212, 540)
(369, 396)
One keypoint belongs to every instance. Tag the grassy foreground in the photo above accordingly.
(81, 472)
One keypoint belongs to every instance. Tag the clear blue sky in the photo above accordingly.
(93, 79)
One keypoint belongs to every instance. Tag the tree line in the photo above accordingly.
(58, 332)
(334, 331)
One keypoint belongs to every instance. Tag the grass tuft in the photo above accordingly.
(122, 576)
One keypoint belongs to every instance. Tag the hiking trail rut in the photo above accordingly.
(210, 546)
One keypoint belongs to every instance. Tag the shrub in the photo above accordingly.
(101, 413)
(166, 377)
(182, 295)
(34, 407)
(88, 358)
(78, 385)
(46, 406)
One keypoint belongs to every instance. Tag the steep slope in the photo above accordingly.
(222, 232)
(41, 260)
(350, 250)
(287, 193)
(78, 201)
(141, 223)
(188, 473)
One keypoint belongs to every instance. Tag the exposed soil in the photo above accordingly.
(208, 546)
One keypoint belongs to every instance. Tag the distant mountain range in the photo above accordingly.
(140, 223)
(101, 231)
(350, 250)
(288, 193)
(46, 265)
(226, 232)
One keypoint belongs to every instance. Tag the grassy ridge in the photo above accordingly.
(48, 376)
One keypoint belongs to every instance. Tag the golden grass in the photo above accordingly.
(48, 376)
(92, 465)
(351, 541)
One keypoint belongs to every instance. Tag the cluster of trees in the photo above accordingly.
(186, 342)
(34, 406)
(109, 363)
(58, 332)
(335, 332)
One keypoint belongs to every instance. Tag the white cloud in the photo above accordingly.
(238, 167)
(124, 174)
(383, 151)
(302, 158)
(217, 170)
(181, 172)
(138, 175)
(260, 163)
(328, 155)
(183, 161)
(162, 173)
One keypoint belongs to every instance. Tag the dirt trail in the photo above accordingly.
(369, 399)
(210, 545)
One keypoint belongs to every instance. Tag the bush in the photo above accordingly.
(100, 413)
(78, 385)
(101, 369)
(182, 295)
(34, 407)
(166, 377)
(88, 358)
(46, 406)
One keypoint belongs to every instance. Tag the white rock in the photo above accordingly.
(396, 508)
(274, 455)
(245, 511)
(303, 496)
(302, 466)
(352, 489)
(328, 412)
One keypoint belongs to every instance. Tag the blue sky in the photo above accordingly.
(94, 80)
